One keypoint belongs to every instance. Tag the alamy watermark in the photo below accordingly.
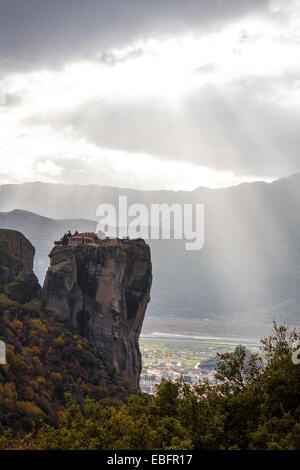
(153, 222)
(2, 352)
(296, 353)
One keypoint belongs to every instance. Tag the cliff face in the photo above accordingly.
(16, 266)
(103, 292)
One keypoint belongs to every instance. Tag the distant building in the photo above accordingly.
(85, 237)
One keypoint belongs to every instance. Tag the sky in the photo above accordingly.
(160, 94)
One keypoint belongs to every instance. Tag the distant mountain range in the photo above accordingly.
(249, 268)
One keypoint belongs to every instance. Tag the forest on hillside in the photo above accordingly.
(255, 405)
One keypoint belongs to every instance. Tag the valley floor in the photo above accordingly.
(174, 348)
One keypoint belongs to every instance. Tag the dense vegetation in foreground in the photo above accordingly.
(256, 405)
(44, 361)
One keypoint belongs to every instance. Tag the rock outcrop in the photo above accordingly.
(102, 291)
(17, 278)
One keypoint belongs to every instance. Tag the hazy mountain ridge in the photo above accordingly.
(250, 262)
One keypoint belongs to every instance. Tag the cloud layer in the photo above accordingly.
(171, 94)
(49, 33)
(241, 128)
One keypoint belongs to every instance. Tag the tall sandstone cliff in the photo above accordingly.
(17, 278)
(102, 291)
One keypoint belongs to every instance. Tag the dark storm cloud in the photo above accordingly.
(36, 34)
(238, 128)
